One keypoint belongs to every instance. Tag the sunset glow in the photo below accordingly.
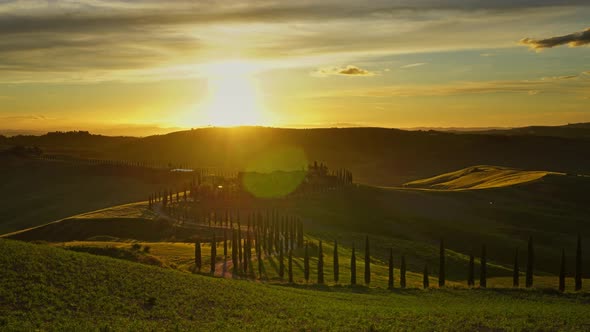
(233, 98)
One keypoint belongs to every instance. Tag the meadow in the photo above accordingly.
(129, 263)
(53, 289)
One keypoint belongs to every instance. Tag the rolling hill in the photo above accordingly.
(376, 156)
(552, 209)
(34, 192)
(481, 177)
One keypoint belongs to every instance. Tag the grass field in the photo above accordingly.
(502, 218)
(53, 289)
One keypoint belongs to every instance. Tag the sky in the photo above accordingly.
(141, 67)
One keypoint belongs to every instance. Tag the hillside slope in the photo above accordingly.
(377, 156)
(480, 177)
(553, 210)
(34, 192)
(54, 289)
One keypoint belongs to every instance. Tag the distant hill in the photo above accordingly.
(376, 156)
(574, 130)
(480, 177)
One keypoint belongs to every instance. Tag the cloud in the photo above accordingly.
(412, 65)
(573, 39)
(564, 77)
(529, 87)
(344, 71)
(97, 40)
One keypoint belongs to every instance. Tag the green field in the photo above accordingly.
(53, 289)
(128, 267)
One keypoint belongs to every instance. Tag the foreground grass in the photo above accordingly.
(48, 288)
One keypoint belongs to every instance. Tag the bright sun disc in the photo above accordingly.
(233, 97)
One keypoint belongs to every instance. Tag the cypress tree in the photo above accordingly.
(562, 272)
(306, 263)
(471, 274)
(483, 282)
(213, 254)
(225, 245)
(516, 271)
(402, 273)
(281, 263)
(390, 281)
(260, 263)
(336, 263)
(291, 266)
(353, 267)
(530, 264)
(578, 276)
(234, 252)
(441, 274)
(367, 262)
(321, 265)
(425, 280)
(198, 255)
(247, 254)
(240, 252)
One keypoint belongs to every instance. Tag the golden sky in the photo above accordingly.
(108, 66)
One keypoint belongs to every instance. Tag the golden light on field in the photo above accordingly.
(233, 97)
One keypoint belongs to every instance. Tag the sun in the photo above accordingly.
(233, 96)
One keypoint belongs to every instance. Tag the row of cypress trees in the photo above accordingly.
(245, 260)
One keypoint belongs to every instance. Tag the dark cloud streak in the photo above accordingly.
(573, 39)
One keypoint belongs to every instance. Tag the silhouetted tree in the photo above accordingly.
(353, 267)
(562, 272)
(198, 255)
(281, 263)
(483, 273)
(390, 280)
(213, 254)
(320, 264)
(441, 274)
(425, 280)
(402, 273)
(225, 244)
(260, 263)
(336, 263)
(471, 274)
(247, 254)
(578, 276)
(516, 271)
(240, 252)
(234, 251)
(306, 263)
(530, 264)
(290, 266)
(367, 261)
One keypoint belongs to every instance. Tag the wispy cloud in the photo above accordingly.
(92, 40)
(349, 70)
(530, 87)
(573, 39)
(564, 77)
(412, 65)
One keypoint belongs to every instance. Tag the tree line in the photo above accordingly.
(242, 257)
